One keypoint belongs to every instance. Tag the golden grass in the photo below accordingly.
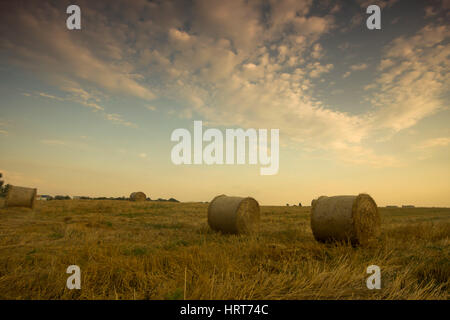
(150, 250)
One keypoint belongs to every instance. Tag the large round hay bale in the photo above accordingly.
(233, 214)
(314, 200)
(20, 197)
(138, 196)
(345, 218)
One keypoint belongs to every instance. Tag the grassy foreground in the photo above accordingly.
(159, 250)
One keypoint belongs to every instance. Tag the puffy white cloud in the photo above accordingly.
(355, 67)
(318, 69)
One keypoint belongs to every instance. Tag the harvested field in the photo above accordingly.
(142, 250)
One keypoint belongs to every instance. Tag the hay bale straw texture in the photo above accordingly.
(138, 196)
(20, 197)
(233, 215)
(345, 218)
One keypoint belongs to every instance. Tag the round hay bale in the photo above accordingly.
(20, 197)
(314, 200)
(138, 196)
(345, 218)
(234, 215)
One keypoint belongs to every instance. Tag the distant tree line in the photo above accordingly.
(1, 184)
(59, 197)
(4, 190)
(169, 200)
(3, 187)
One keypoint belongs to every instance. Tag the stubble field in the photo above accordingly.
(161, 250)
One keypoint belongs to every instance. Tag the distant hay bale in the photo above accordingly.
(20, 197)
(345, 218)
(233, 214)
(138, 196)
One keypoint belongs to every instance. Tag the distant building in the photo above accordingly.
(391, 207)
(42, 197)
(408, 206)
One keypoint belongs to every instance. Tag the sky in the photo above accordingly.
(90, 112)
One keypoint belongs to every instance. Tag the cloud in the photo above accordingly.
(231, 63)
(179, 36)
(413, 79)
(143, 155)
(3, 124)
(317, 51)
(357, 154)
(430, 12)
(355, 67)
(83, 97)
(385, 64)
(117, 119)
(358, 67)
(437, 8)
(318, 69)
(77, 95)
(65, 55)
(239, 21)
(45, 95)
(381, 3)
(435, 142)
(410, 86)
(356, 20)
(89, 100)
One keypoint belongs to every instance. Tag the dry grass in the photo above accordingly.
(129, 250)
